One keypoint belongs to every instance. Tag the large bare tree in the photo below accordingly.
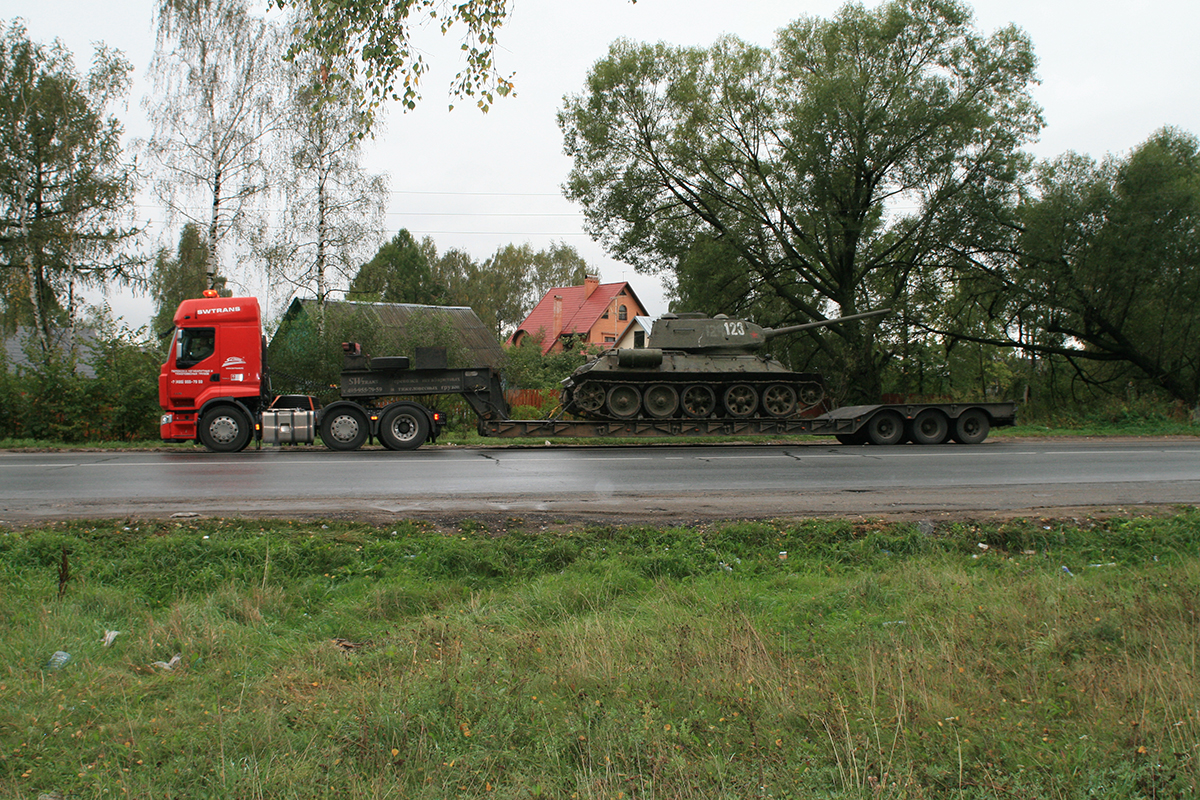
(218, 80)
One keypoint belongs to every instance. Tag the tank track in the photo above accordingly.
(661, 397)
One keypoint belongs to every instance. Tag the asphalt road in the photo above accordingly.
(658, 482)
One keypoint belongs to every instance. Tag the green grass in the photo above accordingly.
(802, 659)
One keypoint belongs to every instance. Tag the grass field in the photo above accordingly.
(1029, 659)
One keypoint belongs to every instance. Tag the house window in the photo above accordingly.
(622, 313)
(610, 340)
(639, 338)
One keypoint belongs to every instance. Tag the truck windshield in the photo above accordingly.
(194, 345)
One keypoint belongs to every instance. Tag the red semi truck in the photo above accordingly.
(214, 390)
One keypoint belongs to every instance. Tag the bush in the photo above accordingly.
(52, 400)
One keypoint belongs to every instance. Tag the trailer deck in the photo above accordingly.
(841, 421)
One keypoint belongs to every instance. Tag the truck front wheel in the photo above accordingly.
(344, 428)
(403, 428)
(224, 430)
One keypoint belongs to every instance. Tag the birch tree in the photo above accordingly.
(331, 216)
(218, 79)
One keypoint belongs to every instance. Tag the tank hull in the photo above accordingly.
(654, 384)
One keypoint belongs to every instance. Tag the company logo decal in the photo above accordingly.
(233, 361)
(222, 310)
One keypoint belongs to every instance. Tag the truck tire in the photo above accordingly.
(886, 427)
(930, 427)
(403, 428)
(224, 429)
(344, 428)
(972, 426)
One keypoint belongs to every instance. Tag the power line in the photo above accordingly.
(479, 194)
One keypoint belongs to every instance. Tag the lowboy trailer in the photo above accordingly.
(214, 391)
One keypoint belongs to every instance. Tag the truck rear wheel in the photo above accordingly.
(344, 428)
(224, 430)
(403, 428)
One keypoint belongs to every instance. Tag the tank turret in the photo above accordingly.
(697, 367)
(696, 333)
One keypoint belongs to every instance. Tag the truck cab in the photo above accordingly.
(211, 387)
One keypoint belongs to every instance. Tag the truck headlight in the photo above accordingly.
(166, 419)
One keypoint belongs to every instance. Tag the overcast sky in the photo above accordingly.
(1112, 72)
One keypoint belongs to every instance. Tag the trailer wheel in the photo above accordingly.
(886, 427)
(403, 428)
(344, 428)
(930, 427)
(225, 430)
(972, 426)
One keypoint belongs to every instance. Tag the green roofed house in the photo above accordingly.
(456, 328)
(383, 329)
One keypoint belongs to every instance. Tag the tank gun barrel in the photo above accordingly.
(771, 333)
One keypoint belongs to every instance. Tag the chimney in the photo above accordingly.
(557, 317)
(590, 282)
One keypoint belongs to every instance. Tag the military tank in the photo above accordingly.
(696, 367)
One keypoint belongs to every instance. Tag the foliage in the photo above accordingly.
(527, 368)
(53, 400)
(377, 40)
(502, 289)
(801, 659)
(179, 278)
(399, 273)
(332, 208)
(217, 76)
(839, 168)
(1108, 273)
(65, 193)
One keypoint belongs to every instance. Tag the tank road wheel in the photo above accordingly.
(779, 400)
(811, 394)
(224, 430)
(971, 427)
(344, 428)
(624, 401)
(589, 397)
(661, 401)
(930, 427)
(698, 401)
(403, 428)
(886, 427)
(740, 400)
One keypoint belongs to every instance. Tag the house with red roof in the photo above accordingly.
(595, 313)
